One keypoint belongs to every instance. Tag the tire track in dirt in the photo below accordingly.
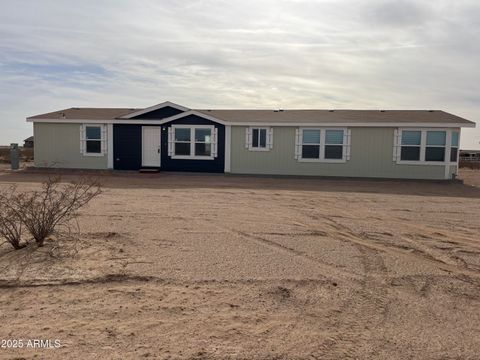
(449, 262)
(129, 278)
(343, 232)
(329, 269)
(361, 314)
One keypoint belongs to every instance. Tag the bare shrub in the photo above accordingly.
(10, 219)
(55, 206)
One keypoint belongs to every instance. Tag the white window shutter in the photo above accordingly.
(347, 143)
(104, 139)
(297, 144)
(170, 141)
(270, 138)
(215, 142)
(396, 144)
(82, 139)
(248, 137)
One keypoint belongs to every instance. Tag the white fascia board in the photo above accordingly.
(259, 124)
(153, 108)
(339, 124)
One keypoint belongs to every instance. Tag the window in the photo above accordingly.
(192, 142)
(93, 140)
(203, 142)
(323, 144)
(435, 150)
(259, 138)
(454, 147)
(311, 144)
(333, 144)
(411, 145)
(418, 146)
(182, 141)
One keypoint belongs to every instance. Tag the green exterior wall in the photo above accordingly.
(58, 145)
(370, 156)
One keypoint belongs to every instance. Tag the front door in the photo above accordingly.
(151, 146)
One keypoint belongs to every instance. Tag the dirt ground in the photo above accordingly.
(178, 266)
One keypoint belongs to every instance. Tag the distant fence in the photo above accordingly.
(470, 164)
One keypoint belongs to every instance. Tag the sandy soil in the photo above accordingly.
(176, 266)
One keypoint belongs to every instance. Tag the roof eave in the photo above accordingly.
(253, 123)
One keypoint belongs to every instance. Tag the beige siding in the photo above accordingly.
(58, 145)
(371, 156)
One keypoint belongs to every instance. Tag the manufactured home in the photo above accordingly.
(405, 144)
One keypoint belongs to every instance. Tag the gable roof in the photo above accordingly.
(266, 117)
(139, 112)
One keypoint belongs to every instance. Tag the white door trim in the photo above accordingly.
(155, 147)
(228, 148)
(110, 146)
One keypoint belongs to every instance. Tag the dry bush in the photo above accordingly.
(10, 219)
(55, 206)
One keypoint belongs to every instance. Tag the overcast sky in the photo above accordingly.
(371, 54)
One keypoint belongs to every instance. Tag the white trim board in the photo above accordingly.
(110, 146)
(228, 148)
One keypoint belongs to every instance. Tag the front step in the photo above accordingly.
(149, 170)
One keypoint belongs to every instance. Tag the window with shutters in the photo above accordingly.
(322, 144)
(198, 142)
(425, 146)
(259, 138)
(93, 140)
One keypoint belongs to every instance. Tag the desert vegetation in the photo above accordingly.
(26, 154)
(52, 209)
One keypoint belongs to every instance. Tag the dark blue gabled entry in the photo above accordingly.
(127, 147)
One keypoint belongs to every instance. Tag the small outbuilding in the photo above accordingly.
(28, 142)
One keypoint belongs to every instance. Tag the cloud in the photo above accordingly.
(400, 13)
(273, 53)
